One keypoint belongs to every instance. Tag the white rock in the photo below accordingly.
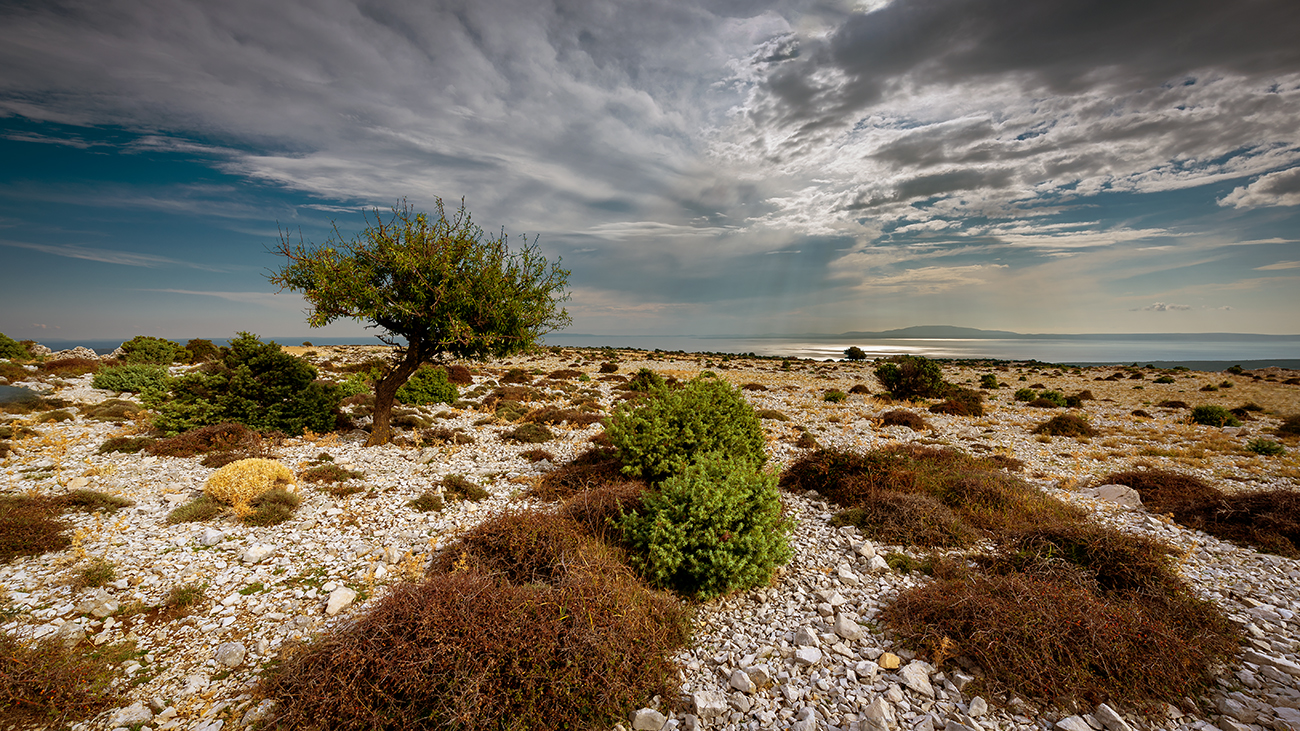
(878, 564)
(1118, 494)
(879, 712)
(807, 656)
(132, 714)
(916, 675)
(847, 576)
(741, 681)
(259, 712)
(100, 603)
(865, 549)
(1073, 723)
(231, 654)
(867, 670)
(1282, 664)
(759, 676)
(709, 703)
(960, 680)
(256, 553)
(978, 707)
(1110, 719)
(77, 483)
(805, 637)
(847, 628)
(648, 719)
(339, 599)
(211, 537)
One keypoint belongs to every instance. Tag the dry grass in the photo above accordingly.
(47, 685)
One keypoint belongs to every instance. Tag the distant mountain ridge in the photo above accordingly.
(951, 332)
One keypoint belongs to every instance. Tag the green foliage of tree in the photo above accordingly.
(254, 384)
(1026, 394)
(665, 434)
(146, 349)
(428, 385)
(910, 376)
(202, 350)
(132, 377)
(714, 528)
(439, 283)
(12, 349)
(988, 380)
(853, 352)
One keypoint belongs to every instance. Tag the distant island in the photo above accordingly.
(951, 332)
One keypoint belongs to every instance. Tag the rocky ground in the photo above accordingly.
(800, 654)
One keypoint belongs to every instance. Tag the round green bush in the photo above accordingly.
(1265, 447)
(908, 376)
(254, 384)
(12, 349)
(1213, 415)
(427, 386)
(669, 430)
(145, 349)
(132, 377)
(714, 528)
(834, 396)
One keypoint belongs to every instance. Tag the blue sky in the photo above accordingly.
(702, 167)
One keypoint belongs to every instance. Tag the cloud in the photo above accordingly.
(1275, 189)
(108, 256)
(1162, 307)
(265, 299)
(1279, 265)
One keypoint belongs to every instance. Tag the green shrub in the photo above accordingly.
(646, 381)
(669, 430)
(199, 351)
(272, 507)
(1213, 415)
(428, 385)
(1164, 379)
(960, 401)
(95, 574)
(988, 380)
(1026, 394)
(529, 433)
(834, 396)
(254, 384)
(126, 445)
(145, 349)
(12, 349)
(1265, 447)
(132, 377)
(456, 486)
(1055, 397)
(908, 376)
(1065, 425)
(713, 528)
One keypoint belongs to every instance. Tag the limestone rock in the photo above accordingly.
(339, 599)
(231, 654)
(878, 564)
(648, 719)
(741, 681)
(132, 714)
(101, 604)
(256, 553)
(759, 676)
(880, 713)
(889, 661)
(1073, 723)
(807, 656)
(709, 704)
(978, 707)
(1110, 719)
(1118, 494)
(847, 628)
(211, 537)
(916, 675)
(805, 637)
(1278, 663)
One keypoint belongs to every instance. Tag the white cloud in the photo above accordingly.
(1275, 189)
(1162, 307)
(1279, 265)
(107, 256)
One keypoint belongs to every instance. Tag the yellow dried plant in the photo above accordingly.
(239, 482)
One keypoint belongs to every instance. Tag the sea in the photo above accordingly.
(1198, 352)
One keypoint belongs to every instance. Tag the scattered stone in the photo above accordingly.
(231, 654)
(100, 604)
(339, 599)
(978, 707)
(847, 628)
(1073, 723)
(916, 675)
(1118, 494)
(212, 536)
(807, 656)
(709, 704)
(741, 681)
(805, 637)
(133, 714)
(648, 719)
(1110, 719)
(256, 553)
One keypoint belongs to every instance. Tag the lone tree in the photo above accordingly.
(438, 283)
(853, 352)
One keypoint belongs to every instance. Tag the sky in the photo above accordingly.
(701, 166)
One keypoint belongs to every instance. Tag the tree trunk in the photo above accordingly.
(381, 431)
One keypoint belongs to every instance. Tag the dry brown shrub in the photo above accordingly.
(903, 417)
(1058, 642)
(1066, 425)
(527, 623)
(564, 374)
(594, 468)
(68, 367)
(47, 685)
(753, 387)
(29, 527)
(906, 519)
(555, 415)
(598, 509)
(224, 443)
(459, 375)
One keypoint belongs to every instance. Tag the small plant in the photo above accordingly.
(200, 351)
(960, 402)
(853, 352)
(988, 380)
(427, 502)
(95, 574)
(1065, 425)
(529, 433)
(646, 381)
(126, 445)
(609, 368)
(238, 483)
(428, 385)
(132, 377)
(11, 349)
(47, 685)
(834, 396)
(1265, 447)
(272, 507)
(199, 509)
(1164, 379)
(462, 489)
(537, 455)
(1290, 427)
(665, 434)
(909, 376)
(861, 389)
(328, 473)
(115, 410)
(1213, 415)
(903, 417)
(713, 528)
(1026, 394)
(186, 596)
(771, 414)
(29, 527)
